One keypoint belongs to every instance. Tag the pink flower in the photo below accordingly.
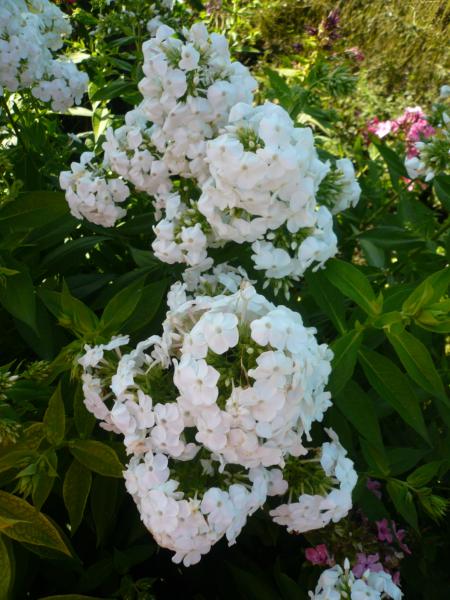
(384, 532)
(374, 486)
(355, 53)
(396, 577)
(400, 536)
(318, 555)
(365, 562)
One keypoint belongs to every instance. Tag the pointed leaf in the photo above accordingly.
(121, 307)
(403, 502)
(55, 418)
(392, 385)
(97, 457)
(418, 362)
(345, 351)
(76, 488)
(36, 529)
(353, 284)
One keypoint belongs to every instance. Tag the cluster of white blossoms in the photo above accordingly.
(340, 583)
(220, 169)
(91, 194)
(431, 154)
(215, 413)
(30, 31)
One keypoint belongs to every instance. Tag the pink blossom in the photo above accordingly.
(396, 577)
(380, 128)
(355, 53)
(384, 532)
(365, 562)
(318, 555)
(374, 486)
(400, 536)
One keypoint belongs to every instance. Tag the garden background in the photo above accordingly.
(68, 528)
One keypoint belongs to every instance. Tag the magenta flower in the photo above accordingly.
(384, 532)
(366, 562)
(318, 555)
(400, 536)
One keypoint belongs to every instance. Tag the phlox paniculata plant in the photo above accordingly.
(31, 31)
(216, 416)
(218, 168)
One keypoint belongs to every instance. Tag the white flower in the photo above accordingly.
(189, 57)
(220, 331)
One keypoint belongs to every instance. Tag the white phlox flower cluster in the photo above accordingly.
(220, 169)
(30, 31)
(348, 189)
(212, 411)
(314, 511)
(338, 583)
(92, 194)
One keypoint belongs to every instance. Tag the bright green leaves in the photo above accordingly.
(418, 362)
(97, 457)
(354, 285)
(394, 387)
(345, 351)
(32, 527)
(121, 307)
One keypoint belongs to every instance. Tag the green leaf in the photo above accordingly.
(389, 237)
(121, 307)
(394, 163)
(327, 298)
(55, 418)
(253, 586)
(6, 569)
(345, 351)
(71, 251)
(97, 457)
(403, 501)
(429, 291)
(424, 474)
(353, 284)
(392, 385)
(36, 528)
(417, 361)
(152, 297)
(14, 459)
(103, 505)
(42, 487)
(375, 457)
(76, 315)
(404, 459)
(441, 184)
(76, 488)
(17, 295)
(358, 408)
(31, 210)
(84, 420)
(114, 89)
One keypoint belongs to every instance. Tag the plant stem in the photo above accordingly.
(19, 137)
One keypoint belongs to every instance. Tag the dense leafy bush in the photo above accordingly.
(68, 527)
